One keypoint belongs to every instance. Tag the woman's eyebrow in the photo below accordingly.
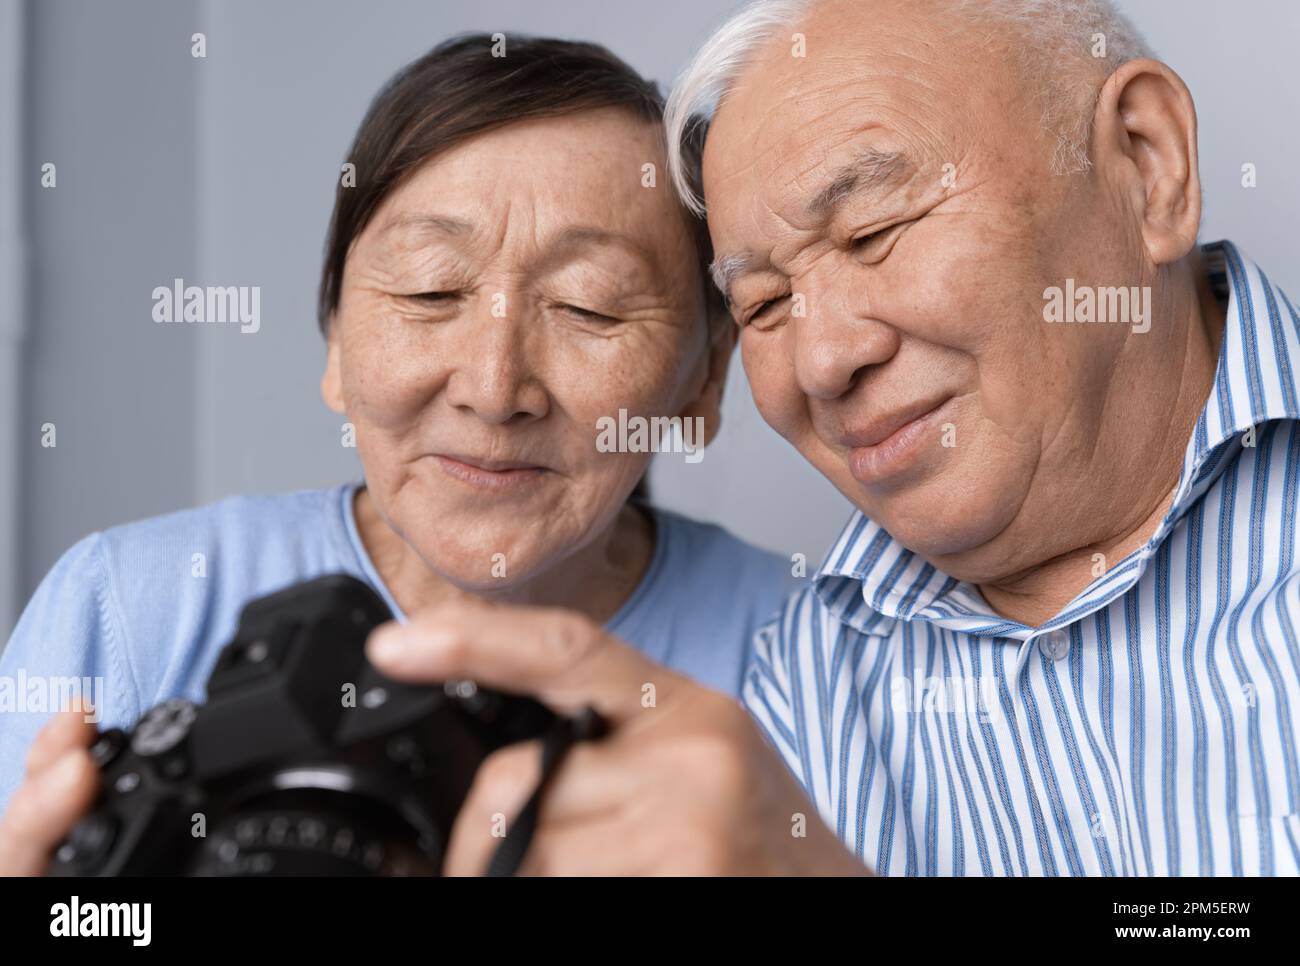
(576, 236)
(563, 245)
(407, 234)
(421, 225)
(572, 240)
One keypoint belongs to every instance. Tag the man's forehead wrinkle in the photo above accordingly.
(800, 140)
(890, 75)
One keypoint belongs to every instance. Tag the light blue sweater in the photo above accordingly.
(138, 616)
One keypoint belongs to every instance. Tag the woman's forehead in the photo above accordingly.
(603, 192)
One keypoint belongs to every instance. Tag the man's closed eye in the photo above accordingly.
(763, 311)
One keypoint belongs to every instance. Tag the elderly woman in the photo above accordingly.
(506, 270)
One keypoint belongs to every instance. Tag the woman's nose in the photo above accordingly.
(492, 375)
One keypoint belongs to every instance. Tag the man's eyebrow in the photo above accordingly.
(727, 268)
(870, 170)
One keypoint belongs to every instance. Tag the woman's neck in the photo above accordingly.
(595, 581)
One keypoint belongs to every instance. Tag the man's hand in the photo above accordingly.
(60, 787)
(684, 783)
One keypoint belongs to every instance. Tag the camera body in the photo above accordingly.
(303, 760)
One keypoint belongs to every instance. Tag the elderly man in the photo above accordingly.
(959, 239)
(1060, 637)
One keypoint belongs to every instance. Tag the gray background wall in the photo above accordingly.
(221, 171)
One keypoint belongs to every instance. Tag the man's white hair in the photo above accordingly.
(1056, 39)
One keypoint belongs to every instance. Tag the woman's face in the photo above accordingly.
(507, 296)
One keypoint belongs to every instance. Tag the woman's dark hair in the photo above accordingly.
(460, 89)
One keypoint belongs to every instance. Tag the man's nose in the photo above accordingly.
(493, 374)
(836, 338)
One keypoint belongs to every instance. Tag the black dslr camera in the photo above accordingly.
(305, 760)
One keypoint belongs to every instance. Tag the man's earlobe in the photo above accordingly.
(1145, 125)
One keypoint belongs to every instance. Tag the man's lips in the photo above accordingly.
(890, 443)
(886, 425)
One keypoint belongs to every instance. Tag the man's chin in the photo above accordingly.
(942, 530)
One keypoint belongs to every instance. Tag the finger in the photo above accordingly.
(606, 846)
(501, 788)
(64, 731)
(590, 783)
(562, 658)
(44, 810)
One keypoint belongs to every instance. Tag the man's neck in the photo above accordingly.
(1035, 594)
(1038, 594)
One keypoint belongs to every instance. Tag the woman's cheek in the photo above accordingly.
(640, 373)
(386, 383)
(589, 389)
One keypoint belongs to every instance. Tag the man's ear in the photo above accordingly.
(708, 401)
(331, 382)
(1144, 130)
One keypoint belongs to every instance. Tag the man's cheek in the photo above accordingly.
(776, 393)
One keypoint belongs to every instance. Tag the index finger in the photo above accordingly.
(66, 729)
(561, 658)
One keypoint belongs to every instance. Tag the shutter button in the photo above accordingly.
(163, 728)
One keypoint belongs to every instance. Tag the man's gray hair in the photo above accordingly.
(1057, 40)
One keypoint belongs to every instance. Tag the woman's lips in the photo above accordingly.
(897, 451)
(489, 475)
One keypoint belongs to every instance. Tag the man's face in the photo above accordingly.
(885, 212)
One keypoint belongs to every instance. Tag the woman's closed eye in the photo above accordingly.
(434, 305)
(448, 297)
(435, 297)
(580, 312)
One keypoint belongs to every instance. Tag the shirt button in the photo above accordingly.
(1055, 644)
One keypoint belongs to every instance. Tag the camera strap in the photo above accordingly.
(564, 734)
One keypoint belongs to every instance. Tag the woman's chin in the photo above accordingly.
(486, 565)
(499, 578)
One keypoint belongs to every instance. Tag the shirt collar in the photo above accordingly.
(869, 580)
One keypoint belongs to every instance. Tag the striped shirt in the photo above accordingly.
(1149, 728)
